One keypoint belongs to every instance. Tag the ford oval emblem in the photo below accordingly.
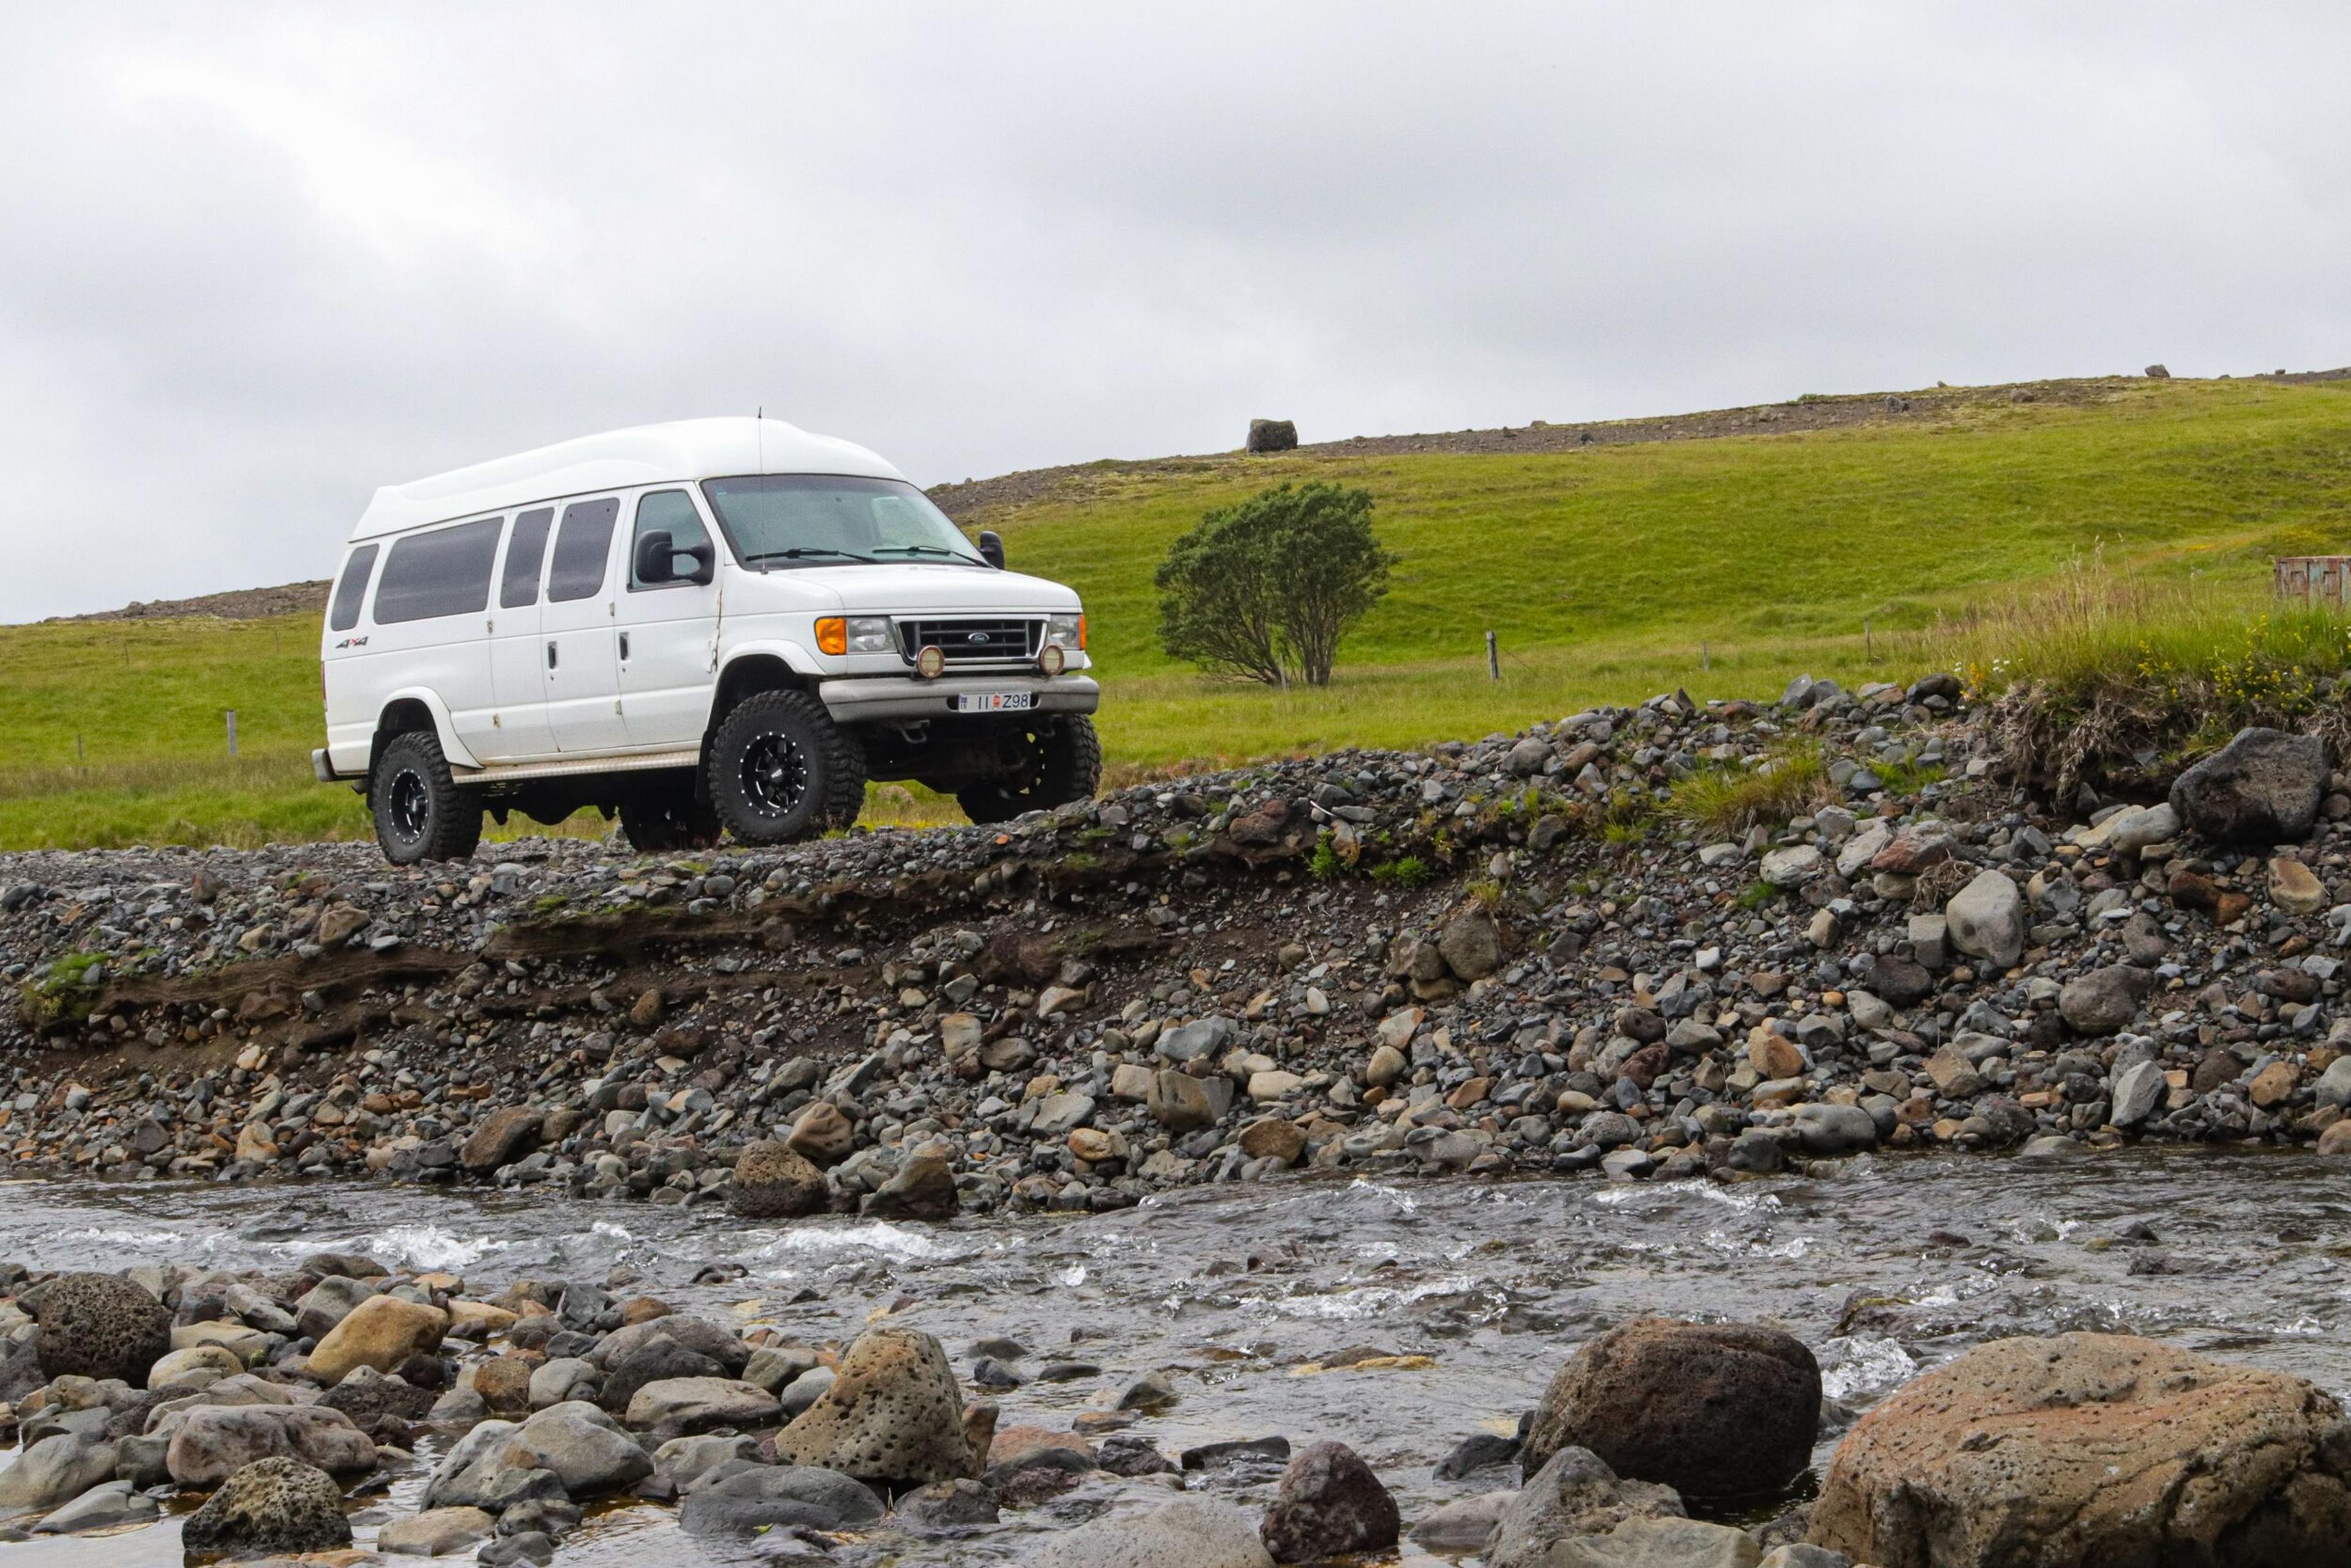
(975, 636)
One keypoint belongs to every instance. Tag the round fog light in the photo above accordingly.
(1051, 660)
(931, 663)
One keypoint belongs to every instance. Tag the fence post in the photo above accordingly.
(231, 732)
(1868, 641)
(1705, 656)
(1493, 658)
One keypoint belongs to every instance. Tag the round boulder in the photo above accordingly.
(2262, 788)
(2087, 1449)
(2104, 1000)
(894, 1412)
(1709, 1409)
(772, 1182)
(271, 1505)
(101, 1326)
(1330, 1505)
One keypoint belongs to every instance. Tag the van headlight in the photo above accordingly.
(869, 634)
(1066, 631)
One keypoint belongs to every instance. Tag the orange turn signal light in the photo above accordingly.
(831, 635)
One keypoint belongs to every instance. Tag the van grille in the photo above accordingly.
(973, 641)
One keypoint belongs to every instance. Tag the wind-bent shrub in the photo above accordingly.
(1266, 587)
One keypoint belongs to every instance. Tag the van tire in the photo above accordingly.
(781, 769)
(665, 821)
(419, 812)
(1066, 766)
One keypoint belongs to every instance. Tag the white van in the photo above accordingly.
(718, 622)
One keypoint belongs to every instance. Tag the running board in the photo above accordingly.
(523, 772)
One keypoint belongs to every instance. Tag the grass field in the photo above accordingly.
(1609, 573)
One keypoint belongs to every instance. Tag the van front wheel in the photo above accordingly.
(419, 812)
(781, 769)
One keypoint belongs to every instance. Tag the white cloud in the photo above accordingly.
(261, 260)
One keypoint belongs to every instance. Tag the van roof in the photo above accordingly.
(684, 449)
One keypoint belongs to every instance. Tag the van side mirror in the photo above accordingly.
(657, 559)
(992, 549)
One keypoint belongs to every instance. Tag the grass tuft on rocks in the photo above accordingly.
(1728, 802)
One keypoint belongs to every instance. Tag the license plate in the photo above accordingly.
(995, 702)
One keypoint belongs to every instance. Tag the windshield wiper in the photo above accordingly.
(928, 550)
(800, 552)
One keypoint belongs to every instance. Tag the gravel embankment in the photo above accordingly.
(1218, 981)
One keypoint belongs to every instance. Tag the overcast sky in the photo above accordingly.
(255, 262)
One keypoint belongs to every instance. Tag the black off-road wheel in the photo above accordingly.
(1062, 763)
(419, 812)
(781, 769)
(664, 820)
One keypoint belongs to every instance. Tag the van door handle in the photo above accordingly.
(624, 644)
(550, 655)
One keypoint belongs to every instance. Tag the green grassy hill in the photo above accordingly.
(1609, 571)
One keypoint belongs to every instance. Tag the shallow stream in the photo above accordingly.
(1471, 1291)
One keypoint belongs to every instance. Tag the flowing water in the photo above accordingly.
(1472, 1291)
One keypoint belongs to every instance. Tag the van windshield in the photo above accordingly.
(776, 520)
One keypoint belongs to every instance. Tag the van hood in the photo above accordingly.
(919, 587)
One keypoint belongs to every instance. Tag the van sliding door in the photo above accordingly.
(576, 633)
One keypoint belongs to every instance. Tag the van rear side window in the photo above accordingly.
(582, 545)
(351, 589)
(525, 553)
(445, 572)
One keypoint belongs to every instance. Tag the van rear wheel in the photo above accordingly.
(1062, 764)
(663, 821)
(781, 769)
(419, 812)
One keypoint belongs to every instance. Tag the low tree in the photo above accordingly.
(1268, 586)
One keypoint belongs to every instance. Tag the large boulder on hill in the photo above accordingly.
(1709, 1409)
(892, 1413)
(1272, 436)
(2262, 788)
(772, 1182)
(271, 1505)
(381, 1332)
(99, 1326)
(2093, 1451)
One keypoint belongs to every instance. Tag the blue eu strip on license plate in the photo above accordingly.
(993, 702)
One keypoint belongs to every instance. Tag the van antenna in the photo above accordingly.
(759, 435)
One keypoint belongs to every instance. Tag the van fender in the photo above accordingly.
(430, 700)
(752, 667)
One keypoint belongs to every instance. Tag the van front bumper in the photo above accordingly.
(324, 767)
(912, 697)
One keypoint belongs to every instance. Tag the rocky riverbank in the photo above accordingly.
(1515, 955)
(290, 1410)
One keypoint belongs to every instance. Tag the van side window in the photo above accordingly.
(671, 512)
(525, 553)
(345, 615)
(581, 547)
(445, 572)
